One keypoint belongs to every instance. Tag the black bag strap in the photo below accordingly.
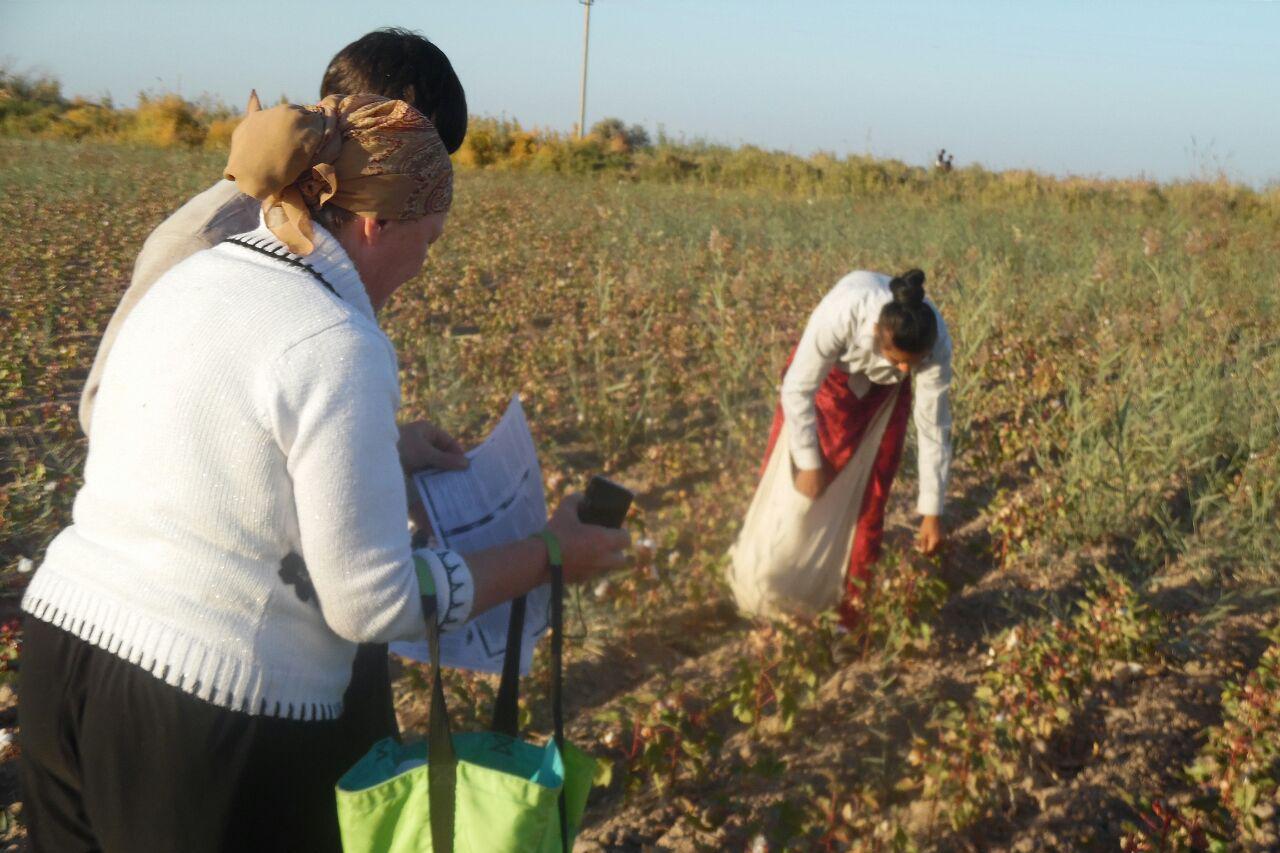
(506, 709)
(442, 761)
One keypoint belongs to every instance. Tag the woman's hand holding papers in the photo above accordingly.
(424, 445)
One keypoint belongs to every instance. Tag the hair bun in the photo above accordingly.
(908, 288)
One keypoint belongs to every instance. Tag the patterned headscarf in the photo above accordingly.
(370, 155)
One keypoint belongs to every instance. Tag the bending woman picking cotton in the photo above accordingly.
(874, 355)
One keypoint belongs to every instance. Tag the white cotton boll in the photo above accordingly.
(26, 566)
(6, 738)
(759, 844)
(602, 589)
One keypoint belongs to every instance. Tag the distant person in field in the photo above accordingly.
(184, 670)
(943, 161)
(392, 63)
(874, 354)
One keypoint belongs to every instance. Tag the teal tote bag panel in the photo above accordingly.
(492, 791)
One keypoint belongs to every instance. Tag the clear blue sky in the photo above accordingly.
(1167, 89)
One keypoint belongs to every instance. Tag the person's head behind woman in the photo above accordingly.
(402, 65)
(908, 327)
(372, 171)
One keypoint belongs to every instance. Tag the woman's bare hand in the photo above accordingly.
(424, 445)
(587, 550)
(931, 535)
(812, 482)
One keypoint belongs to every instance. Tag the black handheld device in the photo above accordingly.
(605, 503)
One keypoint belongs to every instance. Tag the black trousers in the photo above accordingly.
(115, 760)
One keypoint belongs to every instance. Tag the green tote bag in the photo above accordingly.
(476, 792)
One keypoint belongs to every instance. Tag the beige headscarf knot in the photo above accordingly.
(370, 155)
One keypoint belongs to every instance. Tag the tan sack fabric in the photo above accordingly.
(792, 554)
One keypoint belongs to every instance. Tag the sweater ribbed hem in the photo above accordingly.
(179, 660)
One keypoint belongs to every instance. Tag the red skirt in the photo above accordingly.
(843, 419)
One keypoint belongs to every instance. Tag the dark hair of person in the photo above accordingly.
(909, 319)
(332, 217)
(400, 64)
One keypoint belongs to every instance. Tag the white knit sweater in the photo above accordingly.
(247, 416)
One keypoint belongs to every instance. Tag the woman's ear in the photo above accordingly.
(371, 229)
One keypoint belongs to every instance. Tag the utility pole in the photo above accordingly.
(582, 94)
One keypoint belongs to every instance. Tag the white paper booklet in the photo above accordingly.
(498, 499)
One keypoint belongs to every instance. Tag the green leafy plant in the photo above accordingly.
(1237, 775)
(1036, 680)
(780, 674)
(661, 742)
(898, 607)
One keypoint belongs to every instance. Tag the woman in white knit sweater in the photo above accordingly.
(242, 522)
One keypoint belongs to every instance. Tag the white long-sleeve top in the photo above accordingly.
(242, 524)
(842, 331)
